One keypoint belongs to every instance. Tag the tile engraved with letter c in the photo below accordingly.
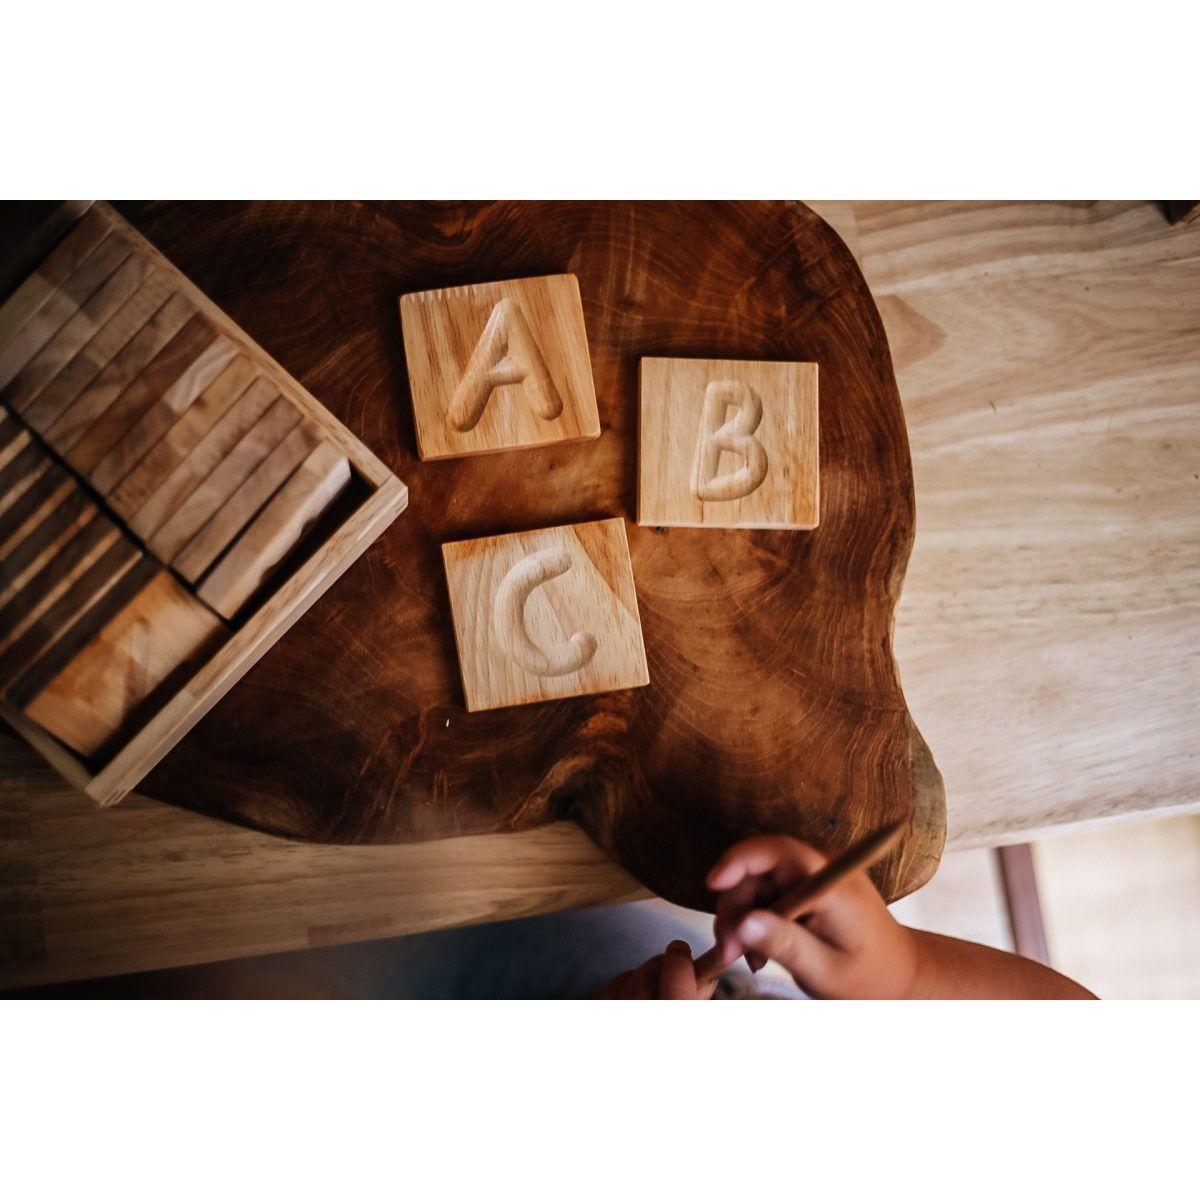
(508, 618)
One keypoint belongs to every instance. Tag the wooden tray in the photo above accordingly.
(215, 581)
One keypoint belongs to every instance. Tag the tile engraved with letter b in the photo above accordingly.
(728, 443)
(735, 434)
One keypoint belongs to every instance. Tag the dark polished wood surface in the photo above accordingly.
(774, 701)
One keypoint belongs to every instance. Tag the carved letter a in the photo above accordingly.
(506, 354)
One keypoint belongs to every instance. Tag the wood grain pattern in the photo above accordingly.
(497, 366)
(21, 473)
(10, 430)
(54, 577)
(15, 446)
(192, 448)
(71, 250)
(219, 365)
(728, 444)
(244, 504)
(62, 305)
(229, 474)
(72, 339)
(820, 743)
(158, 630)
(1049, 357)
(44, 541)
(94, 400)
(87, 892)
(63, 389)
(311, 488)
(27, 505)
(545, 614)
(184, 366)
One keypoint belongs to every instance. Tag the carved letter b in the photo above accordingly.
(735, 435)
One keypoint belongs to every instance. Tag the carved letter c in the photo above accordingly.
(509, 617)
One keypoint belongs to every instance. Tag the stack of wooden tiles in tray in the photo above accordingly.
(152, 474)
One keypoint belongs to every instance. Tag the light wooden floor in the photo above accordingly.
(1048, 357)
(1049, 363)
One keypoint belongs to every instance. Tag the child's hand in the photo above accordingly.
(668, 976)
(848, 947)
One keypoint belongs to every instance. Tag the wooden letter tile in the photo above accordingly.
(80, 412)
(57, 395)
(56, 268)
(311, 488)
(233, 516)
(63, 303)
(189, 454)
(728, 444)
(73, 337)
(233, 470)
(94, 688)
(546, 614)
(497, 366)
(185, 366)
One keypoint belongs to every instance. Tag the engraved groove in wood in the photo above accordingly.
(507, 355)
(508, 617)
(720, 433)
(546, 614)
(728, 443)
(498, 366)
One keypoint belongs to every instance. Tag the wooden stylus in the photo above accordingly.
(799, 900)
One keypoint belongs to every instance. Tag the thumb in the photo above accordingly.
(792, 946)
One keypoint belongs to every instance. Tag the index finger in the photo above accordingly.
(762, 856)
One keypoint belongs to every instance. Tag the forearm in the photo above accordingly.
(950, 969)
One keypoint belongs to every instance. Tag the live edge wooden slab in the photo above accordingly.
(774, 702)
